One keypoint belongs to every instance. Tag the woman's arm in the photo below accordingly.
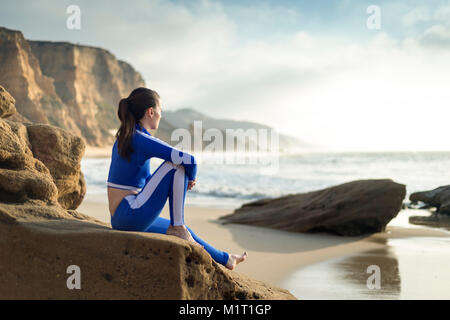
(150, 147)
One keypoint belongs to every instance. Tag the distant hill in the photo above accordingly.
(184, 118)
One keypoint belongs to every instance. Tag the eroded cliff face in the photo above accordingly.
(70, 86)
(90, 81)
(21, 75)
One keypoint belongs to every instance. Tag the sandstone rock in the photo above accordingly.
(22, 177)
(7, 103)
(350, 209)
(21, 185)
(61, 152)
(439, 198)
(35, 252)
(40, 162)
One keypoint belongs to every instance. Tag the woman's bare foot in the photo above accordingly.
(181, 232)
(234, 259)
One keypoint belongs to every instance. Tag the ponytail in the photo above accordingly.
(130, 111)
(126, 130)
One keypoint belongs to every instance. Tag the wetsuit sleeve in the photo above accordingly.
(154, 147)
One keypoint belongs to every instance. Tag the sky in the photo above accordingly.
(332, 73)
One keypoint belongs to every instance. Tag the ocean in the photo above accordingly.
(228, 186)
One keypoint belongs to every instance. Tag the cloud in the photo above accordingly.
(436, 32)
(436, 36)
(416, 15)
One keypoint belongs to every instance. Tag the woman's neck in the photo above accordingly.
(145, 125)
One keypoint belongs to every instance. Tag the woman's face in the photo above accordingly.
(155, 116)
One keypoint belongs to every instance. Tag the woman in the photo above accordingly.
(136, 197)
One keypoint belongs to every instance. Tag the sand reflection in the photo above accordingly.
(410, 268)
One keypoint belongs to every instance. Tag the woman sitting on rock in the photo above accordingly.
(136, 197)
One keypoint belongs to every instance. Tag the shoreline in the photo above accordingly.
(274, 255)
(105, 152)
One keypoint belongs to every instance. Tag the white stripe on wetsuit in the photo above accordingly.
(153, 138)
(178, 189)
(121, 186)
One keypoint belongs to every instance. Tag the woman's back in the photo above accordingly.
(128, 176)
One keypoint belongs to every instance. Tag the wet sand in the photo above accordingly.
(409, 268)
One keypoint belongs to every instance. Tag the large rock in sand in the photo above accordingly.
(350, 209)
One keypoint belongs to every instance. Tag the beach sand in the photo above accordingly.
(274, 255)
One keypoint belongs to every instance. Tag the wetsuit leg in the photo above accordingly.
(161, 224)
(137, 212)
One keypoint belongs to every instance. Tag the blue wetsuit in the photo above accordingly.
(140, 212)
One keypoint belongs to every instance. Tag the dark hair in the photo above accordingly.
(131, 110)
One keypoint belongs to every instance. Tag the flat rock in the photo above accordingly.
(38, 242)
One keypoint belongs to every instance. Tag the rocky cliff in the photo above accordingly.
(70, 86)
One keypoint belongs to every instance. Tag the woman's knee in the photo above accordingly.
(179, 168)
(173, 165)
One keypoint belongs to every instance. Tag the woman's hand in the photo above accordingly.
(191, 184)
